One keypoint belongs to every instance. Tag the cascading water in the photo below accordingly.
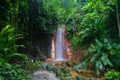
(60, 46)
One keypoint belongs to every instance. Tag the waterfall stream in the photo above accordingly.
(60, 46)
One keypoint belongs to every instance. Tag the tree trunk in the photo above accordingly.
(117, 16)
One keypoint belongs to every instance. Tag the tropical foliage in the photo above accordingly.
(9, 57)
(94, 24)
(112, 75)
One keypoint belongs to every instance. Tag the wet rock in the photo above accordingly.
(44, 75)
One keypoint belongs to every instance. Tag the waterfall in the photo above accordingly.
(60, 46)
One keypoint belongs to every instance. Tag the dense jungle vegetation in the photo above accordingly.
(94, 24)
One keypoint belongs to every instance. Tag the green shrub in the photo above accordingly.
(30, 66)
(100, 55)
(8, 46)
(12, 72)
(9, 69)
(116, 62)
(112, 75)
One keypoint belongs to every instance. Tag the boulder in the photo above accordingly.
(44, 75)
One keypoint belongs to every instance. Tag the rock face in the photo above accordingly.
(44, 75)
(36, 54)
